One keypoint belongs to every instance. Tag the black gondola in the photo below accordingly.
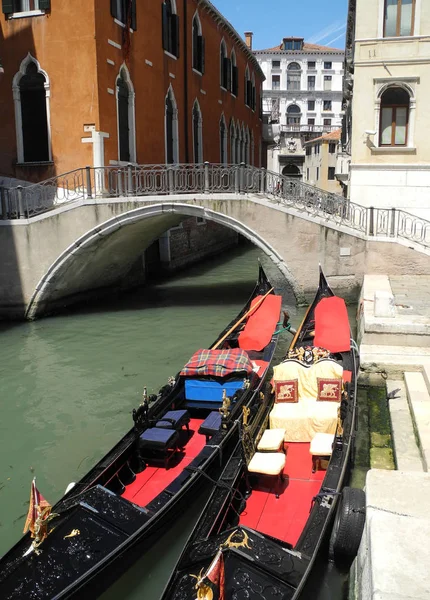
(269, 519)
(123, 504)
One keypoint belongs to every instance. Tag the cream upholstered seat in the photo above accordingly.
(262, 463)
(267, 463)
(320, 448)
(272, 440)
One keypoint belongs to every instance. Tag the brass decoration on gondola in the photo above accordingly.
(246, 412)
(225, 408)
(204, 591)
(73, 533)
(243, 544)
(339, 427)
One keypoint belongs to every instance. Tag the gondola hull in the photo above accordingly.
(269, 559)
(98, 532)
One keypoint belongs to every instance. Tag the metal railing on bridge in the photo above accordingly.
(133, 181)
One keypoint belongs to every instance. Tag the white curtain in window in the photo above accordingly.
(386, 125)
(406, 17)
(390, 17)
(401, 120)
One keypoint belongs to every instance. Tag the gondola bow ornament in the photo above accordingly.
(38, 517)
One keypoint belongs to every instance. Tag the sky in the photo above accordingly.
(318, 22)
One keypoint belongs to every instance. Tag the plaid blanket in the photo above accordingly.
(218, 362)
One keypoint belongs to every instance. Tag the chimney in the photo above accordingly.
(248, 39)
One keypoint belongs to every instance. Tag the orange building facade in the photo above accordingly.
(108, 82)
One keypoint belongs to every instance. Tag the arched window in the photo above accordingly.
(252, 161)
(170, 31)
(197, 133)
(248, 162)
(234, 74)
(232, 142)
(293, 115)
(294, 74)
(223, 141)
(225, 73)
(31, 92)
(125, 112)
(394, 117)
(248, 88)
(253, 93)
(238, 145)
(399, 18)
(171, 128)
(198, 46)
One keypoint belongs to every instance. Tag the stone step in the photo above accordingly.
(393, 360)
(419, 404)
(397, 531)
(406, 451)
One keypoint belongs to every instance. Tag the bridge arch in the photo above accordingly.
(106, 252)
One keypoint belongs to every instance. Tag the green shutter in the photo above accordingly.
(133, 15)
(8, 6)
(202, 49)
(165, 30)
(175, 35)
(44, 4)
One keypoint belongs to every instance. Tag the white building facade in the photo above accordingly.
(302, 93)
(386, 104)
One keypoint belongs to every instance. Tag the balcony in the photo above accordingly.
(308, 128)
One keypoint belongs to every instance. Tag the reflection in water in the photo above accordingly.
(69, 384)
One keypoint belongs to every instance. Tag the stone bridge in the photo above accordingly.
(82, 232)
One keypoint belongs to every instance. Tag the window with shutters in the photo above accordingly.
(293, 115)
(234, 74)
(225, 69)
(294, 74)
(170, 26)
(171, 128)
(125, 117)
(25, 8)
(232, 142)
(124, 11)
(197, 133)
(238, 142)
(31, 91)
(248, 88)
(253, 93)
(198, 46)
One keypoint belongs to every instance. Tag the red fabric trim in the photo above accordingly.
(332, 325)
(287, 391)
(347, 376)
(261, 324)
(329, 390)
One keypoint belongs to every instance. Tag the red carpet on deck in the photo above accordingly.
(154, 479)
(286, 516)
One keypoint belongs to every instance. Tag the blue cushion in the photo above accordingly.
(211, 424)
(158, 438)
(205, 389)
(174, 419)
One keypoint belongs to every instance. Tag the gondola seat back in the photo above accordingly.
(307, 398)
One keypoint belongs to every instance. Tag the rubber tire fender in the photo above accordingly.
(348, 525)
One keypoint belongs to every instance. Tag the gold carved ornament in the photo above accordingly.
(204, 591)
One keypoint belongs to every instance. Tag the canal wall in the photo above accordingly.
(394, 336)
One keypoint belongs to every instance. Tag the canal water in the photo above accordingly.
(70, 382)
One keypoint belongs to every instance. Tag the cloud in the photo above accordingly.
(336, 38)
(328, 31)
